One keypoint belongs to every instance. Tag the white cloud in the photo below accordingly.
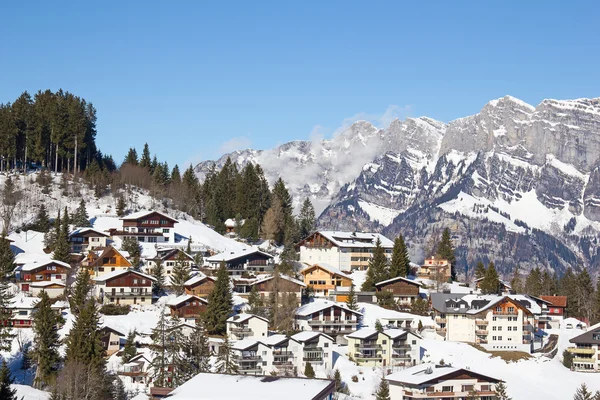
(235, 143)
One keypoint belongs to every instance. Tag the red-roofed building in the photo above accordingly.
(557, 306)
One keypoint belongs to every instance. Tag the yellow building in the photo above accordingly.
(392, 347)
(324, 278)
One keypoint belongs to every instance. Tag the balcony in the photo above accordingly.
(483, 332)
(582, 360)
(401, 356)
(283, 363)
(368, 346)
(240, 329)
(282, 353)
(128, 294)
(440, 319)
(332, 322)
(581, 350)
(367, 357)
(252, 369)
(506, 313)
(401, 346)
(246, 358)
(527, 327)
(441, 331)
(481, 341)
(481, 322)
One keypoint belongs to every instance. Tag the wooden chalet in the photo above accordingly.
(148, 226)
(107, 260)
(43, 271)
(187, 307)
(86, 239)
(404, 290)
(245, 260)
(111, 339)
(124, 287)
(168, 259)
(324, 278)
(200, 285)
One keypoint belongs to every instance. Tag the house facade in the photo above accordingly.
(124, 287)
(586, 353)
(240, 261)
(391, 347)
(345, 251)
(168, 259)
(429, 381)
(148, 227)
(243, 326)
(137, 370)
(111, 339)
(187, 307)
(332, 319)
(283, 284)
(324, 279)
(83, 240)
(556, 307)
(199, 285)
(434, 268)
(107, 260)
(41, 273)
(404, 290)
(282, 356)
(22, 308)
(317, 349)
(248, 356)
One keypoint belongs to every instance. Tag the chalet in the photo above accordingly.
(345, 251)
(199, 285)
(327, 317)
(137, 369)
(85, 239)
(494, 322)
(232, 226)
(187, 307)
(586, 354)
(324, 279)
(245, 260)
(22, 308)
(266, 285)
(168, 259)
(149, 227)
(236, 387)
(391, 347)
(434, 269)
(394, 319)
(505, 288)
(282, 356)
(242, 326)
(184, 328)
(429, 381)
(52, 288)
(248, 356)
(107, 260)
(556, 308)
(124, 287)
(111, 339)
(42, 272)
(316, 349)
(404, 290)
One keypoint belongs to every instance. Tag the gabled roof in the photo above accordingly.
(305, 336)
(399, 278)
(46, 284)
(282, 276)
(142, 214)
(245, 344)
(425, 373)
(164, 254)
(319, 305)
(240, 318)
(556, 301)
(110, 328)
(24, 302)
(328, 267)
(275, 340)
(115, 274)
(233, 255)
(81, 231)
(183, 298)
(106, 251)
(474, 304)
(35, 265)
(588, 337)
(198, 278)
(354, 239)
(363, 333)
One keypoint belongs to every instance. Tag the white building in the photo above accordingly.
(282, 356)
(149, 227)
(243, 326)
(586, 353)
(429, 381)
(391, 347)
(245, 260)
(248, 356)
(333, 319)
(316, 349)
(346, 251)
(85, 239)
(124, 287)
(22, 309)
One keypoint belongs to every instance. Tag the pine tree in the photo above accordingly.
(42, 221)
(46, 342)
(133, 247)
(145, 159)
(445, 251)
(81, 291)
(158, 273)
(255, 302)
(584, 294)
(491, 282)
(181, 274)
(307, 218)
(596, 306)
(479, 270)
(6, 393)
(400, 264)
(351, 301)
(129, 350)
(309, 371)
(220, 303)
(7, 267)
(280, 192)
(176, 175)
(516, 282)
(188, 249)
(337, 378)
(196, 353)
(224, 363)
(583, 393)
(121, 206)
(119, 392)
(378, 326)
(81, 218)
(131, 157)
(83, 341)
(377, 270)
(533, 283)
(178, 363)
(159, 347)
(62, 248)
(501, 391)
(383, 392)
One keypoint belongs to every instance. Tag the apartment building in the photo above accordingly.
(333, 319)
(243, 326)
(345, 251)
(391, 347)
(43, 275)
(248, 356)
(434, 269)
(317, 348)
(283, 355)
(148, 227)
(325, 279)
(124, 287)
(244, 260)
(586, 353)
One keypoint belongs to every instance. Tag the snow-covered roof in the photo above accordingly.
(35, 265)
(79, 231)
(244, 344)
(24, 302)
(235, 387)
(145, 213)
(309, 335)
(274, 340)
(184, 297)
(232, 255)
(240, 318)
(319, 305)
(356, 239)
(199, 277)
(327, 267)
(373, 312)
(363, 333)
(282, 276)
(115, 274)
(399, 278)
(46, 283)
(475, 303)
(428, 372)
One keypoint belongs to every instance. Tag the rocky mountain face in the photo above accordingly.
(517, 184)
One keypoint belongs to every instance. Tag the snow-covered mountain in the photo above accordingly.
(517, 184)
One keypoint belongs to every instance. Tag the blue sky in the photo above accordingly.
(194, 79)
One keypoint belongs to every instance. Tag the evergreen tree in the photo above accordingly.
(584, 295)
(176, 175)
(351, 301)
(419, 307)
(548, 287)
(181, 274)
(307, 218)
(309, 371)
(533, 283)
(516, 282)
(42, 221)
(480, 270)
(220, 303)
(119, 392)
(224, 363)
(188, 249)
(158, 273)
(280, 192)
(46, 342)
(80, 218)
(383, 391)
(83, 341)
(7, 259)
(583, 393)
(6, 393)
(491, 282)
(255, 302)
(596, 306)
(129, 350)
(273, 227)
(179, 365)
(196, 353)
(339, 384)
(121, 206)
(159, 348)
(7, 267)
(134, 248)
(445, 251)
(198, 259)
(400, 264)
(145, 159)
(378, 326)
(131, 157)
(62, 248)
(377, 270)
(567, 359)
(81, 291)
(501, 391)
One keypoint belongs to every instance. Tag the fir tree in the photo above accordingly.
(176, 175)
(501, 391)
(584, 295)
(42, 221)
(280, 192)
(445, 251)
(307, 218)
(533, 283)
(159, 347)
(6, 393)
(83, 341)
(188, 249)
(351, 301)
(46, 342)
(225, 363)
(378, 326)
(181, 274)
(596, 306)
(7, 259)
(62, 248)
(383, 391)
(479, 270)
(131, 157)
(255, 302)
(419, 307)
(196, 353)
(81, 290)
(129, 350)
(121, 206)
(80, 218)
(220, 303)
(309, 372)
(158, 273)
(119, 392)
(273, 227)
(516, 283)
(133, 247)
(337, 378)
(583, 393)
(7, 267)
(145, 159)
(400, 264)
(377, 270)
(178, 363)
(491, 282)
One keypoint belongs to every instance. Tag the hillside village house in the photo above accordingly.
(404, 290)
(148, 227)
(586, 353)
(111, 339)
(124, 287)
(282, 356)
(53, 289)
(429, 381)
(168, 259)
(494, 322)
(433, 268)
(335, 320)
(248, 356)
(43, 274)
(556, 308)
(199, 285)
(345, 251)
(187, 307)
(137, 369)
(505, 288)
(267, 284)
(324, 279)
(240, 261)
(392, 347)
(104, 261)
(243, 326)
(85, 239)
(22, 308)
(317, 348)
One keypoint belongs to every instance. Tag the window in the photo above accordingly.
(384, 342)
(467, 388)
(498, 309)
(135, 281)
(143, 281)
(493, 337)
(58, 276)
(511, 309)
(464, 316)
(494, 318)
(499, 328)
(326, 344)
(494, 328)
(264, 353)
(22, 312)
(39, 277)
(447, 388)
(509, 339)
(510, 328)
(414, 342)
(499, 337)
(165, 231)
(95, 239)
(143, 299)
(112, 268)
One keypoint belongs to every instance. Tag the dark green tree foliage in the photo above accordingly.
(377, 270)
(196, 353)
(83, 341)
(309, 371)
(533, 283)
(501, 391)
(378, 326)
(255, 302)
(383, 391)
(583, 393)
(385, 299)
(121, 206)
(131, 158)
(307, 218)
(159, 347)
(225, 363)
(158, 273)
(567, 359)
(181, 273)
(584, 296)
(42, 221)
(351, 301)
(129, 350)
(7, 267)
(480, 270)
(220, 303)
(46, 342)
(145, 160)
(400, 263)
(80, 218)
(176, 175)
(133, 247)
(6, 393)
(62, 248)
(491, 282)
(419, 307)
(7, 259)
(119, 392)
(445, 250)
(81, 290)
(516, 283)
